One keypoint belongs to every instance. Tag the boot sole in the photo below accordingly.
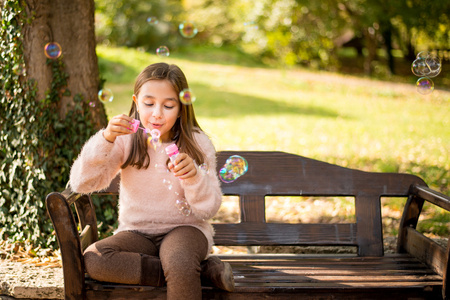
(228, 282)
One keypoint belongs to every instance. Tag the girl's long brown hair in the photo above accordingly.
(184, 127)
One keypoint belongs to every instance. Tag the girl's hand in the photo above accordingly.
(184, 167)
(118, 125)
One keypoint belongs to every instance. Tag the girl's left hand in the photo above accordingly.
(184, 167)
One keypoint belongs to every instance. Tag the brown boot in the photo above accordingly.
(151, 271)
(217, 273)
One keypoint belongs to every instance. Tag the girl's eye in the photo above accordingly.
(169, 107)
(148, 104)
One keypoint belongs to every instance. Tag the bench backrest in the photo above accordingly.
(284, 174)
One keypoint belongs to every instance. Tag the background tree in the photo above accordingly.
(49, 107)
(284, 31)
(71, 24)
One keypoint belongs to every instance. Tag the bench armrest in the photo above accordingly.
(418, 245)
(69, 243)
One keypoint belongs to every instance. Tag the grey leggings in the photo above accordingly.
(118, 258)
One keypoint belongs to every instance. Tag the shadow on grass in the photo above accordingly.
(216, 103)
(116, 72)
(224, 55)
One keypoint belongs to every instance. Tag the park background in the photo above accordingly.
(329, 80)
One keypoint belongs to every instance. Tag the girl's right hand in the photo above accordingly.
(118, 125)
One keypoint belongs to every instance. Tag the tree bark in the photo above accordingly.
(371, 46)
(70, 23)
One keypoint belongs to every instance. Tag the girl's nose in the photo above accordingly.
(157, 112)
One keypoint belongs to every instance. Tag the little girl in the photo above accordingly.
(155, 244)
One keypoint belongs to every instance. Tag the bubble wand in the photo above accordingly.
(155, 134)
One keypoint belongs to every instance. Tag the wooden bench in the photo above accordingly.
(418, 270)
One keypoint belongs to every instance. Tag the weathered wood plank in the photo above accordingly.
(69, 243)
(369, 225)
(426, 250)
(431, 196)
(86, 216)
(86, 237)
(280, 173)
(285, 234)
(252, 208)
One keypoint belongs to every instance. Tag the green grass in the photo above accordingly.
(351, 121)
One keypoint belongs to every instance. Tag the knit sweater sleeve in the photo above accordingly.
(97, 165)
(203, 191)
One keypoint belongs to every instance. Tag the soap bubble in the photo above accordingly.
(251, 25)
(183, 207)
(426, 64)
(422, 54)
(105, 95)
(420, 67)
(52, 50)
(425, 85)
(152, 20)
(203, 169)
(168, 184)
(234, 167)
(435, 66)
(162, 51)
(92, 104)
(188, 29)
(161, 168)
(187, 97)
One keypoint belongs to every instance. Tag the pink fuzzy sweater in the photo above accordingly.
(147, 196)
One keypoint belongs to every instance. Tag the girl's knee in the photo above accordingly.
(181, 263)
(95, 261)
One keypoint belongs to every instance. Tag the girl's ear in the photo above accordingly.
(135, 102)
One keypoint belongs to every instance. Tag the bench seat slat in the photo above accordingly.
(283, 274)
(250, 233)
(339, 278)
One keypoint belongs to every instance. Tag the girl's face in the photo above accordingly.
(158, 106)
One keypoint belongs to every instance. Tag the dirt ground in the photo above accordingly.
(28, 281)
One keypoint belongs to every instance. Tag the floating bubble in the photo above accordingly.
(203, 169)
(435, 66)
(420, 67)
(234, 167)
(426, 64)
(168, 184)
(187, 97)
(188, 29)
(422, 54)
(152, 20)
(183, 207)
(105, 95)
(52, 50)
(161, 168)
(92, 104)
(162, 51)
(251, 25)
(425, 85)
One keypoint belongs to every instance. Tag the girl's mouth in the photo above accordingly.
(156, 126)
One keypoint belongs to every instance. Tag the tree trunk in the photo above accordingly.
(70, 23)
(387, 37)
(371, 46)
